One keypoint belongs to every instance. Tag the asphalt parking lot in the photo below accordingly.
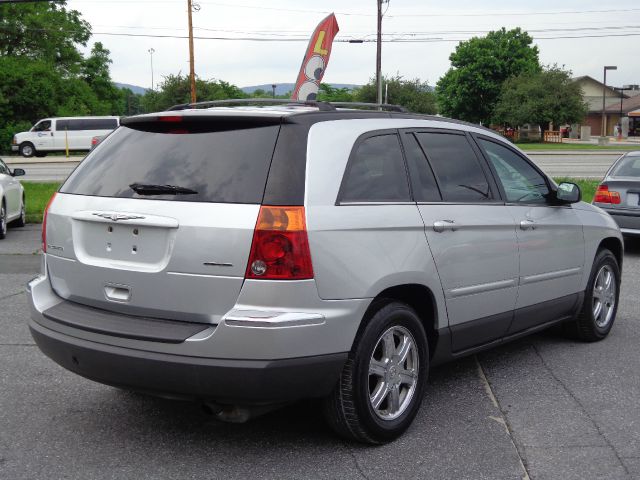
(544, 407)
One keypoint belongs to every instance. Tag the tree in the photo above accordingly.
(327, 93)
(95, 72)
(175, 89)
(540, 98)
(45, 31)
(471, 87)
(415, 95)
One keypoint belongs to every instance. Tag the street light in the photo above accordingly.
(603, 129)
(273, 90)
(151, 52)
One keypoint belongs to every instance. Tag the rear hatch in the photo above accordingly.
(158, 220)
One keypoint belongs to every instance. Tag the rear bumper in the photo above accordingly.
(628, 221)
(259, 353)
(244, 382)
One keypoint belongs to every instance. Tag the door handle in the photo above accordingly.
(527, 224)
(442, 225)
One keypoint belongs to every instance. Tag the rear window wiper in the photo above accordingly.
(152, 189)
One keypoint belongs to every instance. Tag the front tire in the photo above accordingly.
(3, 219)
(601, 299)
(382, 383)
(27, 149)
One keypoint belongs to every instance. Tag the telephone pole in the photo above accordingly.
(192, 71)
(379, 56)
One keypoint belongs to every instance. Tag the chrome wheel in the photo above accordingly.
(604, 296)
(393, 373)
(27, 150)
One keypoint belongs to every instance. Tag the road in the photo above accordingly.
(544, 407)
(565, 164)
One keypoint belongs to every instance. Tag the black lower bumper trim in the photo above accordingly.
(225, 381)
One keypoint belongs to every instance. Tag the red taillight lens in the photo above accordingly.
(604, 195)
(280, 248)
(170, 119)
(44, 224)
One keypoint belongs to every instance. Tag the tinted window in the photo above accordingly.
(76, 125)
(62, 125)
(454, 162)
(228, 166)
(424, 184)
(628, 166)
(520, 181)
(376, 172)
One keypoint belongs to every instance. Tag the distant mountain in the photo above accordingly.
(134, 88)
(282, 88)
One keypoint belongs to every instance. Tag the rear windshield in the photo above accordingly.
(229, 166)
(629, 166)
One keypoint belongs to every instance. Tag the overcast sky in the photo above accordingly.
(249, 63)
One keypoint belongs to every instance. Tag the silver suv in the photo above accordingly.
(254, 256)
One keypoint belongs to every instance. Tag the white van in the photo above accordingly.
(53, 134)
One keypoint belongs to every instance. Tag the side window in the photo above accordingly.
(425, 188)
(43, 126)
(76, 125)
(456, 166)
(376, 172)
(62, 125)
(520, 181)
(4, 170)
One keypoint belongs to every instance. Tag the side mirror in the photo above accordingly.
(568, 193)
(18, 172)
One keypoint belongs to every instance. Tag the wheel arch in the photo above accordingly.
(417, 296)
(615, 246)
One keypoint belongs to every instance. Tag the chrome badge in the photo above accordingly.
(118, 216)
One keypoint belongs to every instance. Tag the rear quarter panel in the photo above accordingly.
(360, 250)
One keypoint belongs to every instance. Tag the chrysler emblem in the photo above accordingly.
(118, 216)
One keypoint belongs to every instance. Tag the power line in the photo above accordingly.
(306, 11)
(306, 39)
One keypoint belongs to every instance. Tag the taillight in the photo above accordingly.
(44, 224)
(280, 247)
(604, 195)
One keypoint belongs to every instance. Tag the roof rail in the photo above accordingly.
(322, 106)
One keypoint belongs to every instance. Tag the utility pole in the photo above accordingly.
(192, 70)
(151, 52)
(379, 56)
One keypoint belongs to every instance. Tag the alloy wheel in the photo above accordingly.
(393, 373)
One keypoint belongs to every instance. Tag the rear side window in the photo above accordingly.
(376, 172)
(228, 166)
(456, 166)
(629, 166)
(423, 181)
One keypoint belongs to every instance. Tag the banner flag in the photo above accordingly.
(316, 60)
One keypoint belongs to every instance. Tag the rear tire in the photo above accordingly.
(27, 149)
(382, 383)
(595, 320)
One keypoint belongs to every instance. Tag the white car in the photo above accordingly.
(58, 134)
(12, 204)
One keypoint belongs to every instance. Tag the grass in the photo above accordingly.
(37, 196)
(575, 146)
(587, 186)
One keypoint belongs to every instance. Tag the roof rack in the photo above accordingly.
(322, 106)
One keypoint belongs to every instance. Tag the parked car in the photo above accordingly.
(257, 256)
(55, 134)
(12, 201)
(619, 193)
